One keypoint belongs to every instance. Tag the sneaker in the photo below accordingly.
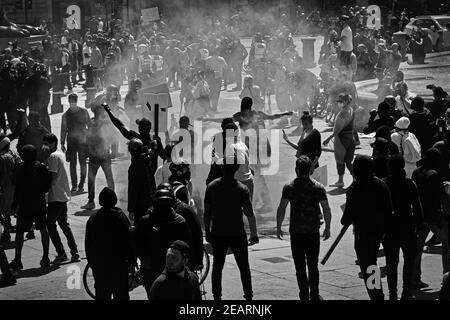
(80, 189)
(60, 259)
(434, 241)
(253, 240)
(75, 258)
(420, 285)
(6, 281)
(30, 235)
(16, 265)
(74, 189)
(45, 262)
(89, 206)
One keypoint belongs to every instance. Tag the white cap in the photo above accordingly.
(402, 123)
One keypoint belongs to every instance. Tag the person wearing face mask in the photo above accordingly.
(58, 196)
(99, 140)
(176, 282)
(156, 232)
(75, 123)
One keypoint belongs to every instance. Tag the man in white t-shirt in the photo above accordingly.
(58, 196)
(218, 65)
(346, 41)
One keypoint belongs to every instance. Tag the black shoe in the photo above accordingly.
(30, 235)
(420, 285)
(253, 240)
(434, 241)
(408, 297)
(6, 281)
(16, 265)
(45, 262)
(316, 298)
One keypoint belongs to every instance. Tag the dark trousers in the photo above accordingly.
(112, 283)
(149, 277)
(73, 152)
(4, 265)
(367, 253)
(57, 213)
(94, 165)
(305, 251)
(239, 246)
(66, 77)
(392, 245)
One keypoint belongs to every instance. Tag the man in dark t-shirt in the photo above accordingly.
(305, 195)
(75, 123)
(226, 201)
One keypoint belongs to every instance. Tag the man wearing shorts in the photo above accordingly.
(32, 183)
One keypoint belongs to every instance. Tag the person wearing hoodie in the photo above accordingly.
(429, 184)
(33, 135)
(401, 228)
(141, 181)
(421, 124)
(369, 221)
(109, 248)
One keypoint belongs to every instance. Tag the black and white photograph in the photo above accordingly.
(218, 151)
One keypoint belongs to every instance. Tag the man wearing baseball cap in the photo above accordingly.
(176, 281)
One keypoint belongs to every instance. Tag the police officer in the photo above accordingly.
(38, 91)
(156, 232)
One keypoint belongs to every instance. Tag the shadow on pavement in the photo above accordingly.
(35, 272)
(426, 294)
(85, 213)
(337, 191)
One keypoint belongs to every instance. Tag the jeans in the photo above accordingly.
(305, 251)
(392, 245)
(367, 252)
(239, 246)
(57, 213)
(214, 95)
(111, 283)
(94, 165)
(74, 150)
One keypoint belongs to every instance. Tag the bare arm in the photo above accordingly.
(327, 217)
(281, 213)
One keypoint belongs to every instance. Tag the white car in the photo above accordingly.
(439, 22)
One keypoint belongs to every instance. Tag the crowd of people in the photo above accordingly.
(165, 224)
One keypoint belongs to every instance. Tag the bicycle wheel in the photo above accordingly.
(203, 273)
(89, 282)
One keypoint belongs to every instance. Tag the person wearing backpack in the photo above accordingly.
(408, 145)
(421, 124)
